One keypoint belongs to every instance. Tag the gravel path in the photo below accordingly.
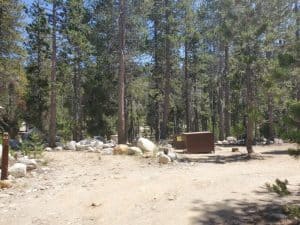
(85, 189)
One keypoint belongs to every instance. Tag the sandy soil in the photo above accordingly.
(222, 188)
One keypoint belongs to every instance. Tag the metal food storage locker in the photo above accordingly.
(199, 142)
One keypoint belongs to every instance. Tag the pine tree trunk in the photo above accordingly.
(270, 115)
(221, 113)
(226, 92)
(52, 126)
(250, 108)
(220, 101)
(297, 46)
(187, 90)
(39, 63)
(121, 112)
(77, 129)
(166, 105)
(156, 75)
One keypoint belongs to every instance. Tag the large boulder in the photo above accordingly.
(147, 146)
(86, 144)
(31, 164)
(18, 170)
(164, 159)
(71, 146)
(135, 151)
(121, 149)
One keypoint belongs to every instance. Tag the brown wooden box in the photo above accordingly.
(199, 142)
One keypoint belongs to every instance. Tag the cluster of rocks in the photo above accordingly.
(147, 148)
(90, 145)
(144, 147)
(257, 141)
(228, 141)
(20, 166)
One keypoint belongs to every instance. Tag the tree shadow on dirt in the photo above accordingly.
(219, 159)
(276, 152)
(242, 212)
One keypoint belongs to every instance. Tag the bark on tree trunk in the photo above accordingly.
(39, 62)
(156, 76)
(166, 106)
(77, 129)
(121, 111)
(250, 109)
(270, 114)
(52, 126)
(221, 99)
(297, 46)
(156, 73)
(187, 90)
(221, 114)
(226, 92)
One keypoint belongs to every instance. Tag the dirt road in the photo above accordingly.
(81, 189)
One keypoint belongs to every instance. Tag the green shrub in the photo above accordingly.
(293, 211)
(33, 147)
(280, 187)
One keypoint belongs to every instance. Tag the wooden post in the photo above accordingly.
(4, 165)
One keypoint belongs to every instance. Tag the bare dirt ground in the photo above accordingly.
(222, 188)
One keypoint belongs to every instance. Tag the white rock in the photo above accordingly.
(18, 170)
(107, 151)
(146, 145)
(71, 146)
(108, 145)
(164, 159)
(172, 156)
(90, 149)
(135, 151)
(10, 177)
(97, 144)
(31, 164)
(59, 148)
(85, 142)
(81, 147)
(231, 140)
(48, 149)
(278, 141)
(225, 142)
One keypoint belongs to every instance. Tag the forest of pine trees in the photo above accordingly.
(77, 68)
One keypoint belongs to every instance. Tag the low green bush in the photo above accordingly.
(280, 187)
